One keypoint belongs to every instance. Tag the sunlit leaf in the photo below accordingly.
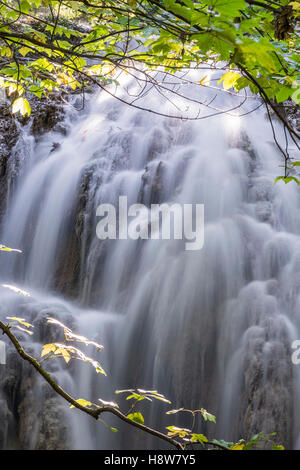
(229, 80)
(48, 348)
(22, 106)
(5, 248)
(67, 352)
(21, 321)
(108, 403)
(175, 431)
(238, 446)
(173, 412)
(207, 416)
(83, 402)
(137, 417)
(15, 289)
(70, 336)
(22, 329)
(198, 438)
(287, 179)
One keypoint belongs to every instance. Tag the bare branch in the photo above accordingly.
(94, 413)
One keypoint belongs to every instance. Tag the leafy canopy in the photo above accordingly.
(50, 45)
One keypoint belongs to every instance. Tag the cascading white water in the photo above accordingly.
(210, 328)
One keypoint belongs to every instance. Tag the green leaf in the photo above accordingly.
(175, 431)
(199, 438)
(223, 443)
(283, 94)
(207, 416)
(138, 397)
(141, 394)
(137, 417)
(287, 179)
(227, 8)
(107, 425)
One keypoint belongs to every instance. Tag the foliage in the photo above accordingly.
(141, 394)
(67, 351)
(49, 45)
(179, 437)
(15, 322)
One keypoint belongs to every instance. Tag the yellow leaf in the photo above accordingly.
(229, 79)
(5, 248)
(24, 50)
(82, 402)
(47, 348)
(15, 289)
(295, 5)
(64, 353)
(13, 87)
(204, 80)
(6, 52)
(20, 320)
(22, 329)
(22, 106)
(238, 446)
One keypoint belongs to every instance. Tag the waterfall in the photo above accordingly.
(211, 328)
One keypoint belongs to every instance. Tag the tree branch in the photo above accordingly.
(268, 101)
(95, 413)
(261, 4)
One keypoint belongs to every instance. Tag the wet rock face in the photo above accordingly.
(9, 134)
(42, 426)
(30, 412)
(80, 227)
(267, 405)
(68, 266)
(47, 116)
(32, 415)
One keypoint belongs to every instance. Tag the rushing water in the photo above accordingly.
(209, 328)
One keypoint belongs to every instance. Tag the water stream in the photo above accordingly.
(211, 328)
